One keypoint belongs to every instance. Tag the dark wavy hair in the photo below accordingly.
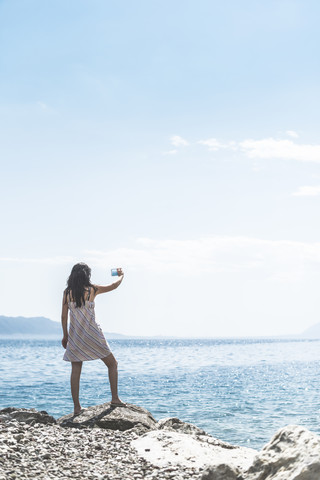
(77, 282)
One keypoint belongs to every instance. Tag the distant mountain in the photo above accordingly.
(311, 332)
(29, 326)
(34, 326)
(42, 326)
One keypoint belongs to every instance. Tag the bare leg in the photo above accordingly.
(75, 383)
(112, 365)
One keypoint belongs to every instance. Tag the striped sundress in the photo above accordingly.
(85, 338)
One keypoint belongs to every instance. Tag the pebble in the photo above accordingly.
(52, 452)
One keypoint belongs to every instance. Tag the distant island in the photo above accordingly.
(42, 326)
(28, 326)
(312, 332)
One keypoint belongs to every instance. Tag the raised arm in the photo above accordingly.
(112, 286)
(64, 321)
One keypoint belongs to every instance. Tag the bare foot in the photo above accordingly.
(77, 411)
(117, 403)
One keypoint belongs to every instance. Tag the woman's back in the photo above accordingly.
(86, 339)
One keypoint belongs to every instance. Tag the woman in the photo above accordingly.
(85, 339)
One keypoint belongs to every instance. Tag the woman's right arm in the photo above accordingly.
(64, 321)
(108, 288)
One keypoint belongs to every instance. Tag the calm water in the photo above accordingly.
(240, 391)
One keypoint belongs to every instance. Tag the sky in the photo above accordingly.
(178, 140)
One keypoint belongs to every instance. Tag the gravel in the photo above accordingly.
(41, 451)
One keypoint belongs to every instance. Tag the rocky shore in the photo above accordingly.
(127, 443)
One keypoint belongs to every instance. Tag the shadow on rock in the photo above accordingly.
(111, 418)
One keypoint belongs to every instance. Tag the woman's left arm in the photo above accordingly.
(64, 321)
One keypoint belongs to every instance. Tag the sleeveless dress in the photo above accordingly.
(85, 338)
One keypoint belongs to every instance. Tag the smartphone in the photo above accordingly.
(114, 272)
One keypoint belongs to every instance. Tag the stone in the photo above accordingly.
(139, 429)
(27, 415)
(221, 472)
(176, 425)
(165, 447)
(292, 454)
(109, 417)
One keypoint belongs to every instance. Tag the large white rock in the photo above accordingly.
(165, 447)
(292, 454)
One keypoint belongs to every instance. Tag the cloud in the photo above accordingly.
(268, 148)
(292, 133)
(44, 260)
(170, 152)
(307, 191)
(42, 105)
(274, 260)
(285, 149)
(213, 144)
(178, 141)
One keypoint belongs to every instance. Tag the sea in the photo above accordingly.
(238, 390)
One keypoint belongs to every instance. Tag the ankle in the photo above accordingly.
(115, 400)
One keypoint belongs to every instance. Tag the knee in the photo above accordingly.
(76, 368)
(112, 363)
